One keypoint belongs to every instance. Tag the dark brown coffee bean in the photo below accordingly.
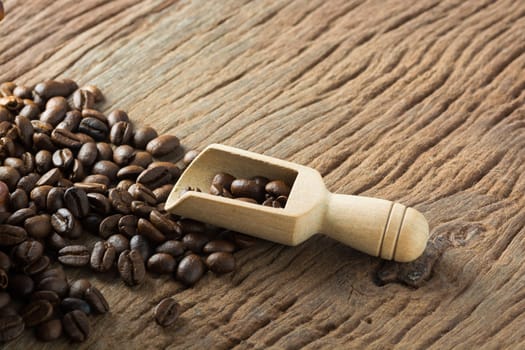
(37, 312)
(63, 159)
(141, 244)
(172, 247)
(127, 225)
(97, 94)
(25, 130)
(56, 284)
(218, 245)
(70, 304)
(106, 168)
(99, 203)
(143, 135)
(65, 223)
(91, 187)
(43, 161)
(71, 121)
(49, 330)
(56, 272)
(146, 229)
(123, 154)
(38, 266)
(52, 88)
(74, 255)
(105, 152)
(20, 285)
(78, 288)
(165, 225)
(195, 241)
(28, 252)
(125, 185)
(221, 262)
(38, 226)
(248, 188)
(191, 268)
(19, 199)
(117, 116)
(103, 256)
(28, 182)
(25, 92)
(11, 327)
(50, 178)
(55, 199)
(129, 172)
(50, 296)
(142, 193)
(93, 127)
(83, 99)
(154, 177)
(65, 138)
(120, 200)
(39, 196)
(76, 325)
(96, 300)
(76, 201)
(189, 156)
(118, 241)
(7, 147)
(42, 127)
(43, 142)
(142, 158)
(55, 242)
(131, 267)
(162, 145)
(141, 209)
(161, 263)
(11, 235)
(87, 154)
(97, 178)
(109, 225)
(53, 115)
(162, 193)
(77, 172)
(121, 133)
(173, 169)
(10, 176)
(167, 312)
(277, 188)
(189, 225)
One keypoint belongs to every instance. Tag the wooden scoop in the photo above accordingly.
(375, 226)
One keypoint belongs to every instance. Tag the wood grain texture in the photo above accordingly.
(419, 102)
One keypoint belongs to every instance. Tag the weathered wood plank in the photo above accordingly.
(417, 102)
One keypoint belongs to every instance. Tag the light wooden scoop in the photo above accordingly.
(375, 226)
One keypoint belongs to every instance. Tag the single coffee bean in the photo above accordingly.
(118, 241)
(96, 300)
(141, 244)
(162, 193)
(162, 145)
(9, 176)
(123, 154)
(91, 187)
(25, 130)
(78, 288)
(127, 225)
(77, 172)
(64, 223)
(117, 116)
(172, 247)
(74, 255)
(167, 312)
(106, 168)
(141, 209)
(105, 151)
(218, 245)
(248, 188)
(109, 225)
(165, 225)
(97, 94)
(11, 235)
(43, 161)
(49, 330)
(24, 92)
(36, 312)
(120, 200)
(38, 226)
(129, 172)
(37, 266)
(19, 199)
(83, 99)
(43, 142)
(146, 229)
(55, 199)
(103, 256)
(76, 201)
(131, 267)
(87, 154)
(191, 268)
(189, 225)
(39, 196)
(154, 177)
(173, 169)
(28, 252)
(53, 115)
(99, 203)
(221, 262)
(63, 159)
(51, 88)
(143, 135)
(28, 182)
(140, 192)
(195, 241)
(94, 127)
(277, 188)
(70, 304)
(121, 133)
(65, 138)
(142, 158)
(125, 185)
(161, 263)
(11, 327)
(97, 178)
(50, 178)
(76, 325)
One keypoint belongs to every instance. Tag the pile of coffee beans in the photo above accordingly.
(257, 190)
(69, 172)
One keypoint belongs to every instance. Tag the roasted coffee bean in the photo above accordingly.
(165, 225)
(146, 229)
(43, 161)
(24, 92)
(38, 266)
(143, 135)
(11, 327)
(20, 285)
(78, 288)
(43, 142)
(97, 178)
(129, 172)
(74, 255)
(28, 182)
(162, 193)
(50, 178)
(38, 226)
(131, 267)
(71, 121)
(161, 263)
(42, 127)
(50, 296)
(141, 209)
(117, 116)
(55, 199)
(49, 330)
(55, 242)
(93, 113)
(19, 199)
(195, 241)
(106, 168)
(172, 247)
(65, 138)
(142, 193)
(11, 235)
(97, 94)
(221, 262)
(63, 159)
(103, 256)
(36, 312)
(142, 158)
(120, 200)
(125, 185)
(118, 241)
(173, 169)
(191, 268)
(162, 145)
(91, 187)
(10, 176)
(123, 154)
(141, 244)
(189, 225)
(53, 115)
(109, 225)
(167, 312)
(96, 300)
(77, 172)
(15, 163)
(94, 127)
(65, 223)
(76, 325)
(52, 88)
(76, 201)
(57, 284)
(25, 130)
(7, 147)
(218, 245)
(99, 203)
(154, 177)
(127, 225)
(28, 252)
(105, 152)
(87, 154)
(277, 188)
(248, 188)
(121, 133)
(39, 196)
(70, 304)
(83, 99)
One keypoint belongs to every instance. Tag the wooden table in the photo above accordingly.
(419, 102)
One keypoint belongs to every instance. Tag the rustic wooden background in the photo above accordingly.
(420, 102)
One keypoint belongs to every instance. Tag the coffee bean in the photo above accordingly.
(76, 201)
(87, 154)
(221, 262)
(37, 266)
(65, 138)
(91, 187)
(77, 172)
(162, 193)
(64, 223)
(106, 168)
(19, 199)
(154, 177)
(121, 133)
(43, 161)
(165, 225)
(129, 172)
(103, 256)
(195, 241)
(141, 209)
(76, 325)
(93, 127)
(52, 88)
(161, 263)
(55, 199)
(143, 135)
(78, 288)
(189, 225)
(162, 145)
(105, 152)
(123, 154)
(191, 268)
(142, 193)
(247, 188)
(118, 241)
(63, 159)
(43, 142)
(127, 225)
(172, 247)
(99, 203)
(146, 229)
(109, 225)
(120, 200)
(83, 99)
(141, 244)
(142, 158)
(50, 178)
(36, 312)
(117, 116)
(11, 326)
(167, 312)
(39, 196)
(38, 226)
(28, 252)
(70, 304)
(53, 115)
(173, 169)
(131, 267)
(9, 176)
(28, 182)
(49, 330)
(218, 245)
(277, 188)
(96, 300)
(97, 178)
(74, 255)
(25, 130)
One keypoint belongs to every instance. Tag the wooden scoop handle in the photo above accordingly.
(376, 226)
